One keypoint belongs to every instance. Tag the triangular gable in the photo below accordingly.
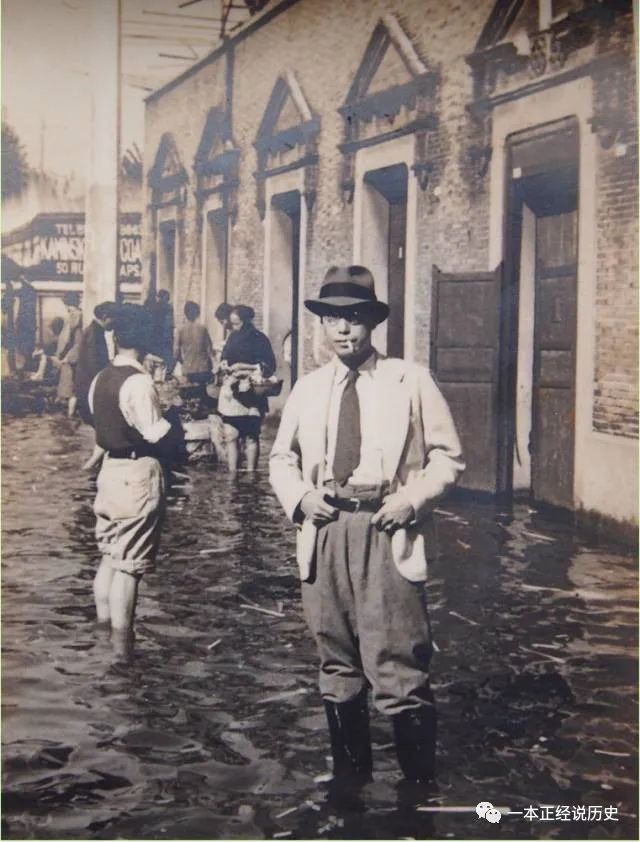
(216, 154)
(287, 120)
(391, 75)
(167, 173)
(392, 71)
(388, 34)
(289, 116)
(499, 22)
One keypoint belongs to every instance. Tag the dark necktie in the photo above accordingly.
(347, 456)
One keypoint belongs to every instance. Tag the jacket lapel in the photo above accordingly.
(318, 419)
(394, 417)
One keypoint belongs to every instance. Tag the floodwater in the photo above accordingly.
(215, 729)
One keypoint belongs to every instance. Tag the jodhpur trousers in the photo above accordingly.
(370, 624)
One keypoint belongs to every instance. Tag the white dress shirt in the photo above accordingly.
(138, 402)
(111, 344)
(370, 397)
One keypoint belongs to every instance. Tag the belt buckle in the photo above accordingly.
(357, 503)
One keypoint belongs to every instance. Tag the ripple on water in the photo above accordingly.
(215, 728)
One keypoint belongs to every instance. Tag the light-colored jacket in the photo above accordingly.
(421, 455)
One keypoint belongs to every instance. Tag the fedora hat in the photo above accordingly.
(348, 288)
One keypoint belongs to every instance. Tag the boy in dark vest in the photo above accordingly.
(129, 504)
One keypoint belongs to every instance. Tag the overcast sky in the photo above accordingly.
(45, 60)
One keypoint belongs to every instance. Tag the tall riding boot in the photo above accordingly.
(350, 740)
(415, 733)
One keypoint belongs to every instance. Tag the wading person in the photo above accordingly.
(247, 353)
(131, 488)
(365, 449)
(67, 351)
(194, 349)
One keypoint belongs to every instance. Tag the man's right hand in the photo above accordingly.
(316, 508)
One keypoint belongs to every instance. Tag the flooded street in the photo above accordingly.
(215, 728)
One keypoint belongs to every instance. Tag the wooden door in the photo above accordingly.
(397, 238)
(552, 437)
(465, 352)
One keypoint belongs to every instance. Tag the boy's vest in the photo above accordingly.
(112, 430)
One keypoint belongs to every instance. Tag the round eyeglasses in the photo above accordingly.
(352, 317)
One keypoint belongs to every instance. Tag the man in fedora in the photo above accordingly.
(365, 449)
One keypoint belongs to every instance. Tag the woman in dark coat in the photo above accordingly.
(93, 355)
(247, 353)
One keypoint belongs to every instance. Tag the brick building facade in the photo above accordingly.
(481, 159)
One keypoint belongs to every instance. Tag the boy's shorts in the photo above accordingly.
(129, 507)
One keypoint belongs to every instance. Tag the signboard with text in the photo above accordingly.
(51, 247)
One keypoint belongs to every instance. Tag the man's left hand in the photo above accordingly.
(394, 513)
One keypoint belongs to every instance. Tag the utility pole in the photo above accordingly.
(101, 204)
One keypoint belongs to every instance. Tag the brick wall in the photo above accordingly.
(323, 42)
(616, 359)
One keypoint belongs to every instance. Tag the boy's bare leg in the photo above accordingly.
(122, 641)
(233, 455)
(123, 596)
(71, 409)
(42, 367)
(252, 449)
(101, 589)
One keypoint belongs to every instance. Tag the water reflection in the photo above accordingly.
(214, 727)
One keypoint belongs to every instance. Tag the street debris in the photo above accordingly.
(466, 619)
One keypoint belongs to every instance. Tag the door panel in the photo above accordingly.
(397, 236)
(552, 441)
(465, 342)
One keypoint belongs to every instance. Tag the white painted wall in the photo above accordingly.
(374, 250)
(368, 244)
(212, 291)
(606, 467)
(278, 270)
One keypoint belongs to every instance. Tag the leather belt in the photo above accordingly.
(132, 453)
(353, 504)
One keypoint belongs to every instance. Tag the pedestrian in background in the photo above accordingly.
(163, 329)
(365, 450)
(194, 349)
(247, 353)
(95, 350)
(48, 370)
(221, 314)
(7, 335)
(67, 351)
(25, 321)
(129, 504)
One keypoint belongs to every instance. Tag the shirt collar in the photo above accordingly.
(367, 367)
(120, 359)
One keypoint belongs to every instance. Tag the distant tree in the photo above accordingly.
(132, 163)
(15, 167)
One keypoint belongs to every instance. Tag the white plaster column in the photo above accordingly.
(101, 204)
